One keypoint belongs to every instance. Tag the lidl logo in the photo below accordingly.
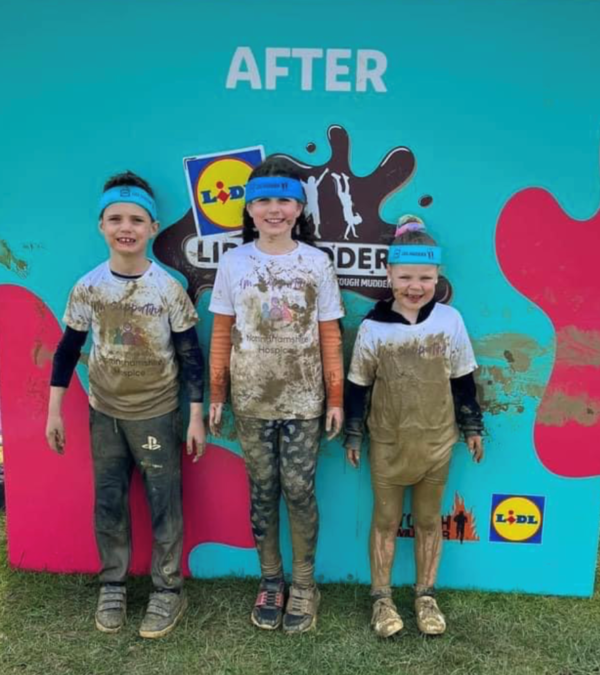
(217, 186)
(517, 519)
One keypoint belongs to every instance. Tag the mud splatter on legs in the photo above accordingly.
(387, 514)
(427, 507)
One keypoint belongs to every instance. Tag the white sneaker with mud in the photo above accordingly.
(301, 609)
(164, 611)
(430, 619)
(111, 611)
(385, 619)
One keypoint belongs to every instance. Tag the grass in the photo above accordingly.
(47, 628)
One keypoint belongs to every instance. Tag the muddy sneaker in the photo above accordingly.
(267, 612)
(165, 608)
(385, 620)
(301, 609)
(430, 620)
(112, 608)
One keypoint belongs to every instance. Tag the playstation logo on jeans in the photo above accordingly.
(152, 444)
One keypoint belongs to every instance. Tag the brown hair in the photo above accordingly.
(130, 179)
(414, 238)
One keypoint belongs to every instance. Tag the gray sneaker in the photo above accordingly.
(301, 609)
(111, 611)
(165, 608)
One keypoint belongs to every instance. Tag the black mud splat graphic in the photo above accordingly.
(346, 212)
(347, 206)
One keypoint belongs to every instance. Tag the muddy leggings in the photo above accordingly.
(387, 515)
(281, 456)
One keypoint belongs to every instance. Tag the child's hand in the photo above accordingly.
(215, 414)
(333, 422)
(196, 437)
(352, 445)
(55, 433)
(475, 445)
(353, 440)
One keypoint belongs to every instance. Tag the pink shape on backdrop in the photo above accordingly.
(553, 260)
(50, 497)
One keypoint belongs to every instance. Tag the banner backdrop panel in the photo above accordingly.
(465, 114)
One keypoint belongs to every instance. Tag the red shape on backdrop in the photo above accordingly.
(49, 497)
(553, 260)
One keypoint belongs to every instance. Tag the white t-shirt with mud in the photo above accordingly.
(277, 301)
(132, 366)
(410, 367)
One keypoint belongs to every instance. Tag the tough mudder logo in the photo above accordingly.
(345, 210)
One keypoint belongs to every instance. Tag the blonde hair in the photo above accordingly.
(413, 237)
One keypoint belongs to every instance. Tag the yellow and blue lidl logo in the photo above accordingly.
(517, 519)
(217, 185)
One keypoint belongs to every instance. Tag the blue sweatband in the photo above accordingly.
(414, 255)
(278, 187)
(131, 195)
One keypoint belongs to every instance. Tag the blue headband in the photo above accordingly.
(130, 195)
(414, 255)
(274, 186)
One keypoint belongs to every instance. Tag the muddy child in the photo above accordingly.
(276, 338)
(143, 338)
(414, 356)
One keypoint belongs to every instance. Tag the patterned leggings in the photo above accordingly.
(281, 456)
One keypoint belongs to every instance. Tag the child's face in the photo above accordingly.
(127, 228)
(413, 286)
(274, 217)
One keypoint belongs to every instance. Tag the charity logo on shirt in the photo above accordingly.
(277, 310)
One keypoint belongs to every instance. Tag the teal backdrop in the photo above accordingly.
(498, 104)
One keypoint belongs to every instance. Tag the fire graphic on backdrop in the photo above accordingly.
(345, 210)
(459, 525)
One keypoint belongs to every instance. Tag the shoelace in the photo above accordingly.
(270, 598)
(430, 608)
(299, 605)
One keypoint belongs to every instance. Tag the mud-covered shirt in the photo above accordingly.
(132, 365)
(277, 301)
(410, 367)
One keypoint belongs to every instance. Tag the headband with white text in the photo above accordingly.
(401, 254)
(131, 195)
(278, 187)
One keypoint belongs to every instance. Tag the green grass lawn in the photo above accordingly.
(47, 628)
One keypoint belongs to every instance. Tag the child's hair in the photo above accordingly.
(275, 165)
(412, 237)
(128, 178)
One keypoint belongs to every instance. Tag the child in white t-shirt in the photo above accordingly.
(144, 340)
(417, 357)
(276, 337)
